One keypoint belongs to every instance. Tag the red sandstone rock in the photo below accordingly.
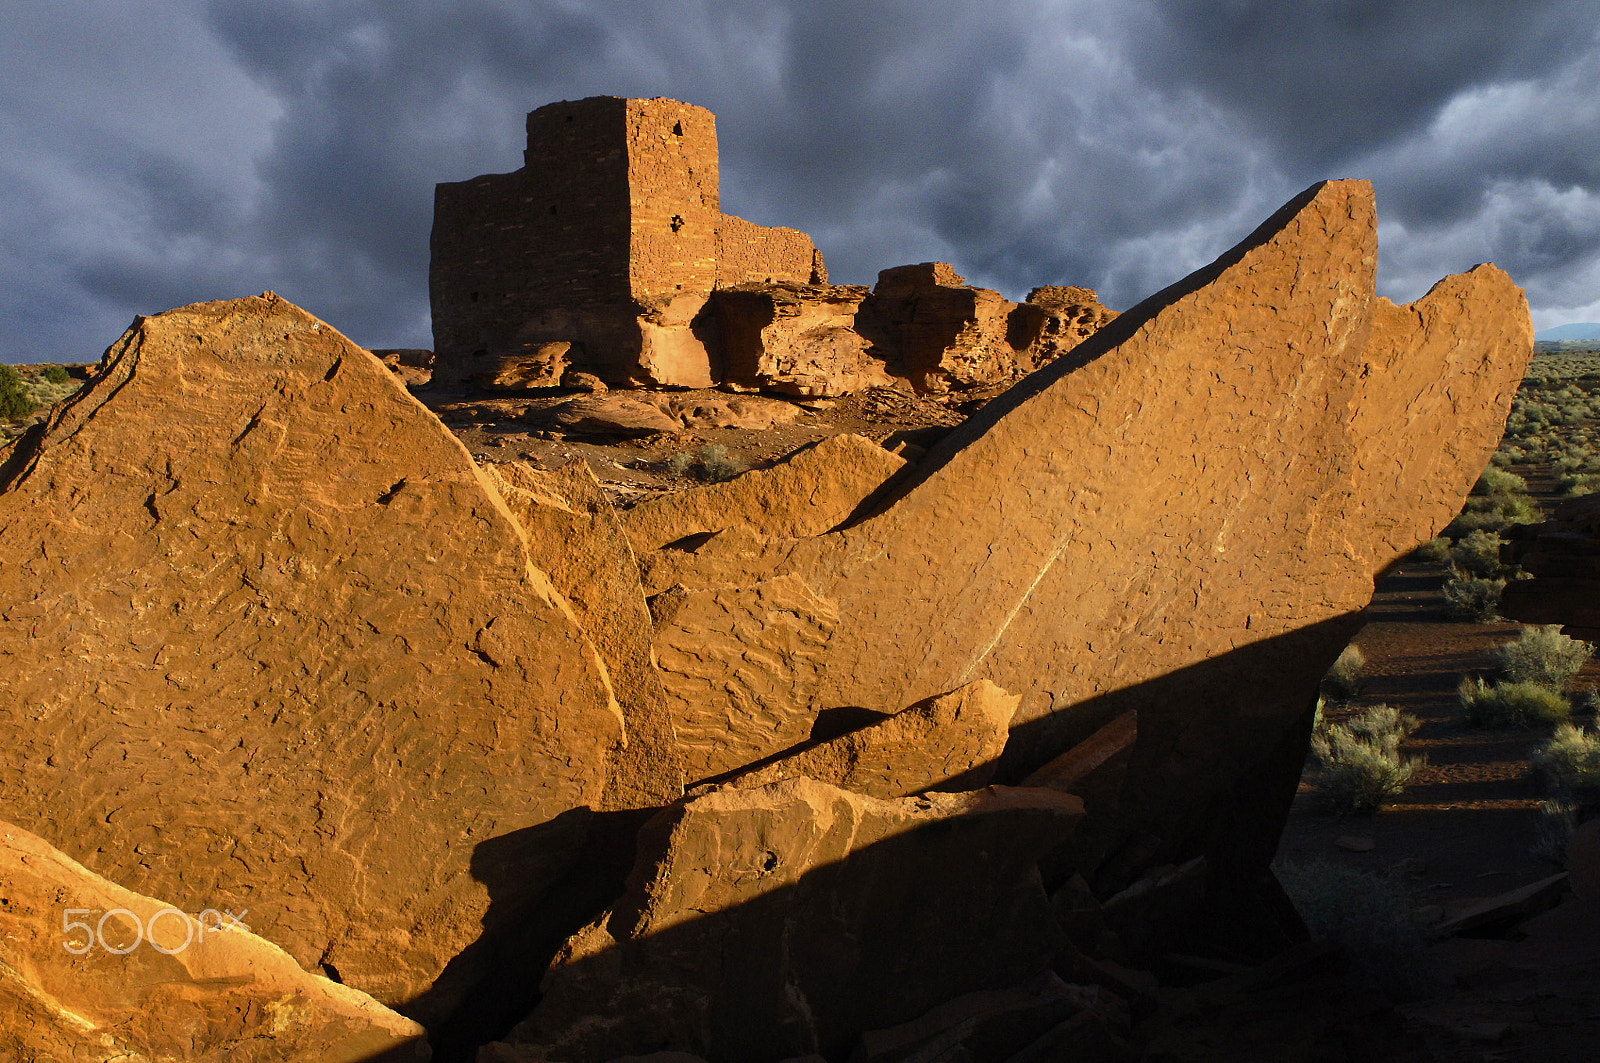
(1071, 315)
(95, 973)
(949, 743)
(800, 339)
(273, 642)
(573, 535)
(809, 492)
(1563, 555)
(769, 922)
(950, 335)
(1183, 519)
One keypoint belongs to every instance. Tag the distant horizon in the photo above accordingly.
(1575, 330)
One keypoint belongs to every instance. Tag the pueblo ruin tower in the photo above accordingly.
(599, 253)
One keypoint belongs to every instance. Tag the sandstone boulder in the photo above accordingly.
(1563, 555)
(810, 492)
(614, 415)
(1071, 315)
(90, 971)
(1183, 519)
(574, 537)
(949, 743)
(950, 335)
(742, 667)
(273, 642)
(800, 339)
(786, 919)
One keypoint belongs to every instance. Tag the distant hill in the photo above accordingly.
(1585, 331)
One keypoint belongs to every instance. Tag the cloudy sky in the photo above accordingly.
(160, 152)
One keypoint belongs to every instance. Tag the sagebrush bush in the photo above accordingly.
(713, 464)
(1496, 481)
(15, 402)
(1504, 704)
(1477, 600)
(1434, 551)
(57, 374)
(1359, 768)
(1569, 762)
(1343, 680)
(716, 464)
(1557, 820)
(1477, 554)
(1543, 655)
(1367, 915)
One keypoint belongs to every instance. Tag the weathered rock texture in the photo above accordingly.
(810, 492)
(608, 240)
(1563, 554)
(801, 339)
(272, 641)
(950, 743)
(137, 979)
(770, 922)
(574, 537)
(1071, 315)
(1197, 501)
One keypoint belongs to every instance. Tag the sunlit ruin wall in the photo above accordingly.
(609, 240)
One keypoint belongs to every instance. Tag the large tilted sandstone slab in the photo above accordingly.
(1181, 517)
(574, 537)
(272, 641)
(766, 923)
(133, 978)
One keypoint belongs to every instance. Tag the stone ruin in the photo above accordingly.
(608, 254)
(849, 757)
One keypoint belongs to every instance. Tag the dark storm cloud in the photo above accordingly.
(168, 152)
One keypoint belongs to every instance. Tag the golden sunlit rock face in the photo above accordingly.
(273, 642)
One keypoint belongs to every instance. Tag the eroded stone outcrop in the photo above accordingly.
(770, 922)
(272, 641)
(574, 537)
(812, 491)
(950, 743)
(801, 339)
(1563, 555)
(950, 335)
(95, 973)
(1195, 502)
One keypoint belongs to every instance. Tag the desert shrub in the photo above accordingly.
(15, 402)
(1495, 481)
(1359, 768)
(1343, 680)
(1477, 554)
(1503, 704)
(1553, 830)
(57, 374)
(716, 464)
(1543, 655)
(1368, 915)
(1434, 551)
(713, 464)
(1575, 484)
(1569, 762)
(1476, 600)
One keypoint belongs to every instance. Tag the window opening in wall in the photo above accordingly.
(677, 129)
(552, 208)
(473, 297)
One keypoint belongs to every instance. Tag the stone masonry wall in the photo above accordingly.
(610, 238)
